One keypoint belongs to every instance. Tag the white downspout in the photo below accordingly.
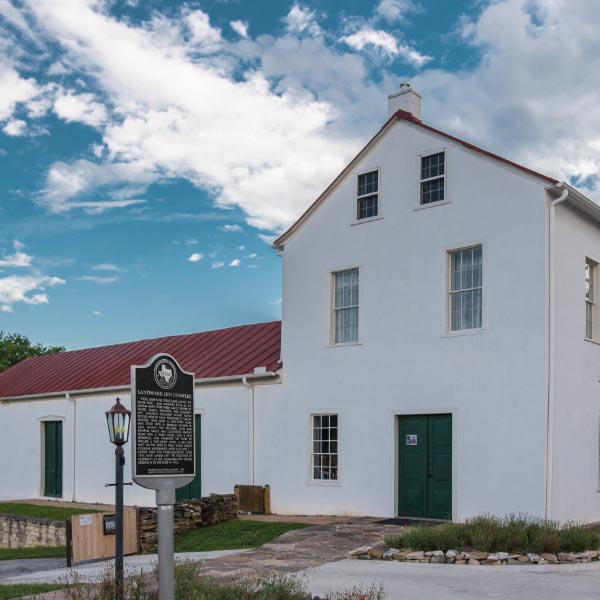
(550, 406)
(251, 388)
(74, 444)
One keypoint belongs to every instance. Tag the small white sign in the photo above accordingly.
(85, 520)
(411, 440)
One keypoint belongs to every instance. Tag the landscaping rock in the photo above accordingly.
(377, 552)
(401, 555)
(462, 561)
(438, 559)
(389, 554)
(452, 554)
(415, 556)
(473, 561)
(362, 551)
(534, 558)
(551, 558)
(476, 555)
(566, 557)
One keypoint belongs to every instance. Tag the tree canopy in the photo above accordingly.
(15, 347)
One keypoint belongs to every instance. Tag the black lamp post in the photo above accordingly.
(118, 419)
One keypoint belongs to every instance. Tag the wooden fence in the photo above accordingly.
(91, 537)
(254, 498)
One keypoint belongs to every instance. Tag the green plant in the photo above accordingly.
(35, 552)
(42, 511)
(20, 590)
(425, 537)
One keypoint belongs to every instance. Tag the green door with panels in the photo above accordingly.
(53, 459)
(193, 489)
(425, 466)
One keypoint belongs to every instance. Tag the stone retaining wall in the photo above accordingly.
(27, 532)
(475, 557)
(189, 514)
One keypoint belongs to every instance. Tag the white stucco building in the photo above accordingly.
(439, 352)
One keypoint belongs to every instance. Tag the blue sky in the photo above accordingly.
(149, 151)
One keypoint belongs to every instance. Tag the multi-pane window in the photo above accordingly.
(590, 300)
(466, 288)
(367, 198)
(345, 306)
(325, 447)
(433, 175)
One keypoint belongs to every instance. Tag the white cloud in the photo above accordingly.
(240, 27)
(6, 308)
(253, 255)
(195, 257)
(15, 127)
(217, 265)
(241, 248)
(14, 90)
(18, 259)
(19, 288)
(302, 20)
(97, 313)
(395, 10)
(106, 267)
(203, 34)
(100, 280)
(80, 108)
(235, 263)
(231, 228)
(386, 43)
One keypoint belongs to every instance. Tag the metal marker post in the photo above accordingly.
(120, 461)
(165, 499)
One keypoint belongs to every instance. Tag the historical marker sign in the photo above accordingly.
(163, 423)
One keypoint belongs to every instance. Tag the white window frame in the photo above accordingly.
(450, 292)
(590, 300)
(421, 204)
(357, 197)
(334, 309)
(312, 453)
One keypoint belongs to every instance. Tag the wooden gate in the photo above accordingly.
(254, 498)
(91, 537)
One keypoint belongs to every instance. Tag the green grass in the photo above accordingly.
(26, 589)
(38, 552)
(232, 535)
(515, 533)
(41, 511)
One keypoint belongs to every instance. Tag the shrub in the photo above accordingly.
(426, 537)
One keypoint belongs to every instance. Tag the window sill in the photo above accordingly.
(367, 220)
(344, 345)
(321, 483)
(592, 342)
(452, 334)
(432, 204)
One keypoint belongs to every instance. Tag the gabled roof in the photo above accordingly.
(401, 115)
(210, 354)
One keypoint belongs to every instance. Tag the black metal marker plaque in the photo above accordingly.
(163, 419)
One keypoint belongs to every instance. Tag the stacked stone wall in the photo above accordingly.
(189, 514)
(28, 532)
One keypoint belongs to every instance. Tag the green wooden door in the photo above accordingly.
(193, 490)
(425, 466)
(53, 459)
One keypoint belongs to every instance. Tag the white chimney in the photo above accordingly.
(406, 99)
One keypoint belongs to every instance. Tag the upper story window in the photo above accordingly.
(345, 306)
(433, 178)
(325, 447)
(591, 320)
(466, 289)
(367, 197)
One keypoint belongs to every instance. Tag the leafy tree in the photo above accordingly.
(15, 347)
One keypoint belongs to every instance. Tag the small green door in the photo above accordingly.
(193, 490)
(53, 459)
(425, 466)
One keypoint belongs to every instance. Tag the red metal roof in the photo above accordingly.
(219, 353)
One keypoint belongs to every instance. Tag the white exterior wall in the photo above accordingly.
(494, 382)
(225, 445)
(576, 432)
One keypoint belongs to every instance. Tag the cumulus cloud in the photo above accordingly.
(240, 27)
(21, 288)
(367, 36)
(395, 10)
(196, 257)
(18, 259)
(231, 228)
(106, 267)
(302, 20)
(235, 263)
(80, 108)
(217, 265)
(14, 90)
(15, 127)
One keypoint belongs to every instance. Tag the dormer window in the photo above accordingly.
(433, 178)
(367, 198)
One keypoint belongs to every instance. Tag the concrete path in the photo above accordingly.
(403, 581)
(93, 571)
(22, 566)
